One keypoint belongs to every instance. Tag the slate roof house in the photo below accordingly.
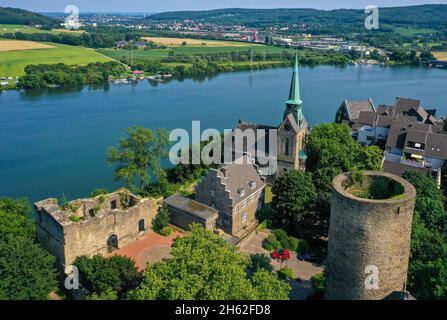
(237, 192)
(410, 135)
(226, 198)
(349, 111)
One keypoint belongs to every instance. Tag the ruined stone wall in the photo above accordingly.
(90, 237)
(51, 235)
(365, 233)
(68, 239)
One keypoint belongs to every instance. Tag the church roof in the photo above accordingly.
(294, 94)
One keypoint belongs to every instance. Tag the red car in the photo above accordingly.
(281, 254)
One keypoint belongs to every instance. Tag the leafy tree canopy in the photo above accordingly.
(204, 267)
(107, 277)
(295, 195)
(427, 274)
(138, 156)
(26, 270)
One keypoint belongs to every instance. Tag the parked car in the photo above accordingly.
(281, 254)
(313, 258)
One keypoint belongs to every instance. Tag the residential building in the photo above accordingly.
(236, 191)
(410, 135)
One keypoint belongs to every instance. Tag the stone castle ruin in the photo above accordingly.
(92, 226)
(369, 236)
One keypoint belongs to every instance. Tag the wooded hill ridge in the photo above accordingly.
(24, 17)
(421, 16)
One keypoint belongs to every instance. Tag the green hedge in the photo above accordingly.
(285, 274)
(166, 231)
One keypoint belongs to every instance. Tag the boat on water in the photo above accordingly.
(121, 81)
(157, 78)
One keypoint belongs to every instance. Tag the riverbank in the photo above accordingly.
(66, 131)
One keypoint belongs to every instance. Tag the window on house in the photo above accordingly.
(141, 226)
(213, 204)
(286, 147)
(212, 193)
(244, 204)
(244, 217)
(113, 204)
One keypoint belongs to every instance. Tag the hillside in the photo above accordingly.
(23, 17)
(423, 16)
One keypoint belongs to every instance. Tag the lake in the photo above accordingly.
(53, 142)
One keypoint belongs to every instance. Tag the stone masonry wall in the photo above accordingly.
(366, 233)
(67, 239)
(90, 237)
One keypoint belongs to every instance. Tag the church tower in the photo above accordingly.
(294, 105)
(292, 132)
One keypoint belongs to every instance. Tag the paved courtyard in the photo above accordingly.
(149, 249)
(301, 269)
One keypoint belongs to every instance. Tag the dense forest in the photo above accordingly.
(45, 75)
(319, 21)
(19, 16)
(89, 40)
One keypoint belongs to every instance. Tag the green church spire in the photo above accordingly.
(294, 104)
(294, 95)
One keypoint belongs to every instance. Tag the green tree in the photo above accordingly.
(161, 220)
(15, 219)
(107, 277)
(332, 151)
(427, 273)
(260, 261)
(204, 267)
(138, 156)
(268, 287)
(26, 270)
(294, 196)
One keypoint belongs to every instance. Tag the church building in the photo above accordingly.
(291, 133)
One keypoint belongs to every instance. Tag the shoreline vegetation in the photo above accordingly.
(179, 66)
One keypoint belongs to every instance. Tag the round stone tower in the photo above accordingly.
(369, 236)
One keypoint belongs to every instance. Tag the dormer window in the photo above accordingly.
(241, 192)
(252, 184)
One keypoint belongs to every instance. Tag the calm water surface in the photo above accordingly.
(54, 142)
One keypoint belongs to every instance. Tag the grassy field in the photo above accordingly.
(13, 63)
(197, 42)
(411, 32)
(440, 55)
(188, 50)
(14, 45)
(13, 28)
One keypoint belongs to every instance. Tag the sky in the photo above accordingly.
(174, 5)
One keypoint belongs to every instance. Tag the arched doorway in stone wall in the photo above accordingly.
(112, 242)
